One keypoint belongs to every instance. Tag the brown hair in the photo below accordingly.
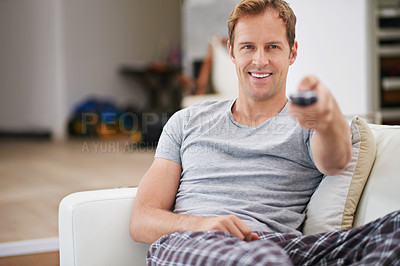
(257, 7)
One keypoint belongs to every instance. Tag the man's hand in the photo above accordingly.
(331, 143)
(319, 115)
(229, 223)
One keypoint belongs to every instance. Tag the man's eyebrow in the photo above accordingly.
(268, 43)
(274, 42)
(244, 43)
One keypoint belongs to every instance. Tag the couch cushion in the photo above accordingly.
(381, 193)
(335, 201)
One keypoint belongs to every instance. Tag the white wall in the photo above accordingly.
(55, 53)
(26, 65)
(334, 45)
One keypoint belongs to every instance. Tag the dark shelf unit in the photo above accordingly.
(387, 34)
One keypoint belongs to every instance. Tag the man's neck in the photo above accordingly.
(252, 113)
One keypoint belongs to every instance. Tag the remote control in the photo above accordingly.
(304, 98)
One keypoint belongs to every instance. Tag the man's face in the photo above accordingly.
(262, 56)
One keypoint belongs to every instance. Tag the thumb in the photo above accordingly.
(308, 83)
(254, 236)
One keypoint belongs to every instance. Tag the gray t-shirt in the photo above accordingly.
(264, 174)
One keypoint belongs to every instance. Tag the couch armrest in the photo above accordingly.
(94, 229)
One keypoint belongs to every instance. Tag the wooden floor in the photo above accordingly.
(40, 259)
(36, 175)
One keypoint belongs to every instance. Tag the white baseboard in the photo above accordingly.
(29, 246)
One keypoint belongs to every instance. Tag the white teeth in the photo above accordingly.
(260, 75)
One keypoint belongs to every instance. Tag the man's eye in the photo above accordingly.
(273, 46)
(248, 47)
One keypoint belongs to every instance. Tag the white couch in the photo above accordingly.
(94, 225)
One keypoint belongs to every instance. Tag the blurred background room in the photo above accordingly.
(87, 85)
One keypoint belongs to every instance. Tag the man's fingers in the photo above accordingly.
(245, 229)
(230, 224)
(233, 230)
(254, 236)
(308, 83)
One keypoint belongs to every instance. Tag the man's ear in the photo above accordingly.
(293, 53)
(230, 49)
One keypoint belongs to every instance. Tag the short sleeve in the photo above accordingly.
(308, 137)
(170, 142)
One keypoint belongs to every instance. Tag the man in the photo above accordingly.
(231, 180)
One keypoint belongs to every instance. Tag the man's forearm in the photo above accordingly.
(151, 223)
(331, 144)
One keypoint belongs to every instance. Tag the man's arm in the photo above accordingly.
(331, 143)
(152, 216)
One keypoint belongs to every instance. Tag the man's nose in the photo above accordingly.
(260, 58)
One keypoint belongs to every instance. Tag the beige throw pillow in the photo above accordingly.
(335, 201)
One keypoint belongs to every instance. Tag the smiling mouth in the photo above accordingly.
(259, 75)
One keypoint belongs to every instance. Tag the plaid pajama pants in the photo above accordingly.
(376, 243)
